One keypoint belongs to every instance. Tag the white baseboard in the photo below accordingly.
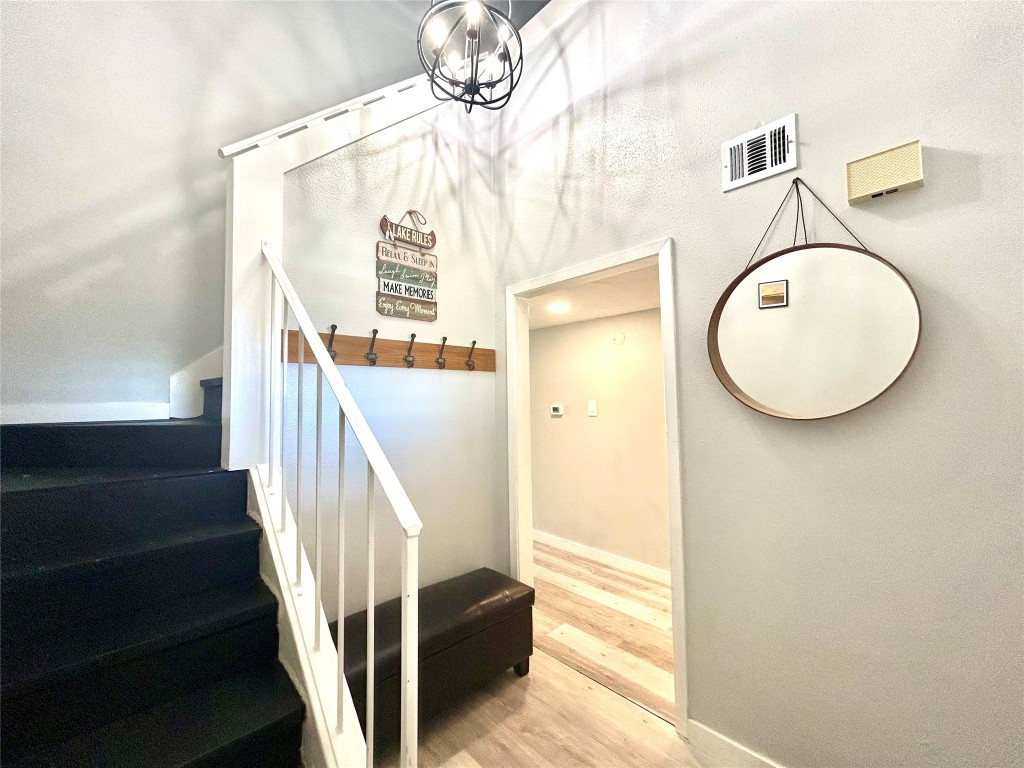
(719, 751)
(651, 572)
(48, 413)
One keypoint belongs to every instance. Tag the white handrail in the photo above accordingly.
(378, 468)
(389, 482)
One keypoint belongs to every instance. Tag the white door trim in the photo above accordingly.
(520, 486)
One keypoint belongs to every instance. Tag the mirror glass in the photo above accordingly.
(814, 331)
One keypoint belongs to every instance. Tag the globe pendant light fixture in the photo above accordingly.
(471, 52)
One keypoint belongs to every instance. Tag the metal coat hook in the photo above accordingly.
(330, 342)
(409, 359)
(370, 354)
(470, 362)
(441, 362)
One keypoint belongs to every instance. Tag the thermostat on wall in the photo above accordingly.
(557, 409)
(884, 173)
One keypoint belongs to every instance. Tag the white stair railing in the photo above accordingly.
(284, 305)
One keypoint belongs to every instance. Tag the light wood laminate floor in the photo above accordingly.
(554, 717)
(612, 626)
(599, 693)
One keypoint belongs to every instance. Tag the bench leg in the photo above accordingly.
(523, 667)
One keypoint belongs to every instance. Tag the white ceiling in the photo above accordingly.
(619, 294)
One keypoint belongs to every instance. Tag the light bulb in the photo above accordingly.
(454, 60)
(437, 31)
(495, 67)
(504, 33)
(473, 11)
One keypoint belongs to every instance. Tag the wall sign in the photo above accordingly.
(393, 231)
(406, 277)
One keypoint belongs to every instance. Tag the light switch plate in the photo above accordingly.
(591, 407)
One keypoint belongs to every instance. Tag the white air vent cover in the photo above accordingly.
(761, 153)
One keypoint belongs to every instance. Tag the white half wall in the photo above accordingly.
(186, 393)
(44, 413)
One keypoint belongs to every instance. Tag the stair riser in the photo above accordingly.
(120, 586)
(77, 705)
(54, 524)
(195, 444)
(276, 746)
(213, 401)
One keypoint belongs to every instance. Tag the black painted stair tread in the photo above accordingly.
(36, 478)
(49, 598)
(108, 508)
(135, 627)
(166, 443)
(125, 554)
(105, 644)
(246, 720)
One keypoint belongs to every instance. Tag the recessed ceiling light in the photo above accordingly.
(559, 307)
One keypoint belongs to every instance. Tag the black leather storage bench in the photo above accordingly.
(472, 628)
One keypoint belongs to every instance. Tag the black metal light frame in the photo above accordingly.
(467, 86)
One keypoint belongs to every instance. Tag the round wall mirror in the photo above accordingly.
(814, 331)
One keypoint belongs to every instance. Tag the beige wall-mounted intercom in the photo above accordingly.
(884, 173)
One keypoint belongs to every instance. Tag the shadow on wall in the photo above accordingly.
(549, 109)
(429, 163)
(938, 163)
(113, 193)
(110, 289)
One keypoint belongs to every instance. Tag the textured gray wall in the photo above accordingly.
(436, 427)
(854, 585)
(113, 193)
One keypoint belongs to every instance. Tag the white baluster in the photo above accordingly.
(410, 651)
(349, 416)
(298, 468)
(371, 680)
(284, 399)
(341, 570)
(272, 399)
(317, 573)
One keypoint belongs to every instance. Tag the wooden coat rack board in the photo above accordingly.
(391, 353)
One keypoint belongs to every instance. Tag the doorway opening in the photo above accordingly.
(594, 472)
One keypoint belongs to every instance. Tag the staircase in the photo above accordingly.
(135, 628)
